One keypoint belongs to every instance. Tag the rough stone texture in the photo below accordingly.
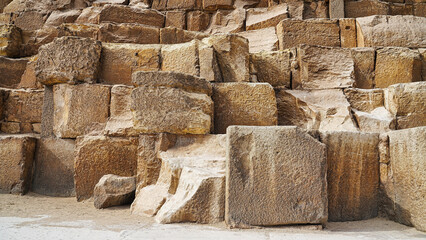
(292, 32)
(10, 40)
(197, 21)
(315, 9)
(29, 21)
(325, 110)
(78, 30)
(407, 103)
(378, 120)
(11, 71)
(3, 4)
(387, 31)
(324, 67)
(171, 102)
(89, 15)
(47, 113)
(258, 18)
(261, 40)
(113, 190)
(256, 195)
(96, 156)
(100, 3)
(68, 60)
(119, 61)
(352, 175)
(149, 164)
(364, 100)
(217, 4)
(129, 33)
(404, 180)
(57, 18)
(272, 67)
(28, 78)
(16, 163)
(364, 67)
(336, 9)
(209, 68)
(176, 19)
(422, 52)
(126, 14)
(363, 8)
(251, 104)
(23, 106)
(54, 167)
(397, 65)
(175, 35)
(347, 32)
(78, 106)
(181, 58)
(43, 6)
(149, 200)
(227, 21)
(232, 54)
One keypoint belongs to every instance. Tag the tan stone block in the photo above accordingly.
(363, 8)
(365, 100)
(78, 30)
(181, 58)
(292, 32)
(175, 35)
(3, 4)
(324, 67)
(5, 18)
(43, 6)
(54, 167)
(296, 196)
(11, 71)
(397, 65)
(401, 9)
(10, 40)
(261, 40)
(33, 40)
(96, 156)
(336, 9)
(296, 9)
(113, 190)
(29, 79)
(89, 15)
(386, 31)
(315, 9)
(23, 106)
(379, 120)
(251, 104)
(197, 21)
(347, 32)
(78, 106)
(126, 14)
(16, 163)
(176, 19)
(68, 60)
(217, 4)
(56, 18)
(29, 21)
(258, 18)
(119, 61)
(209, 67)
(419, 9)
(129, 33)
(179, 4)
(348, 172)
(272, 67)
(364, 67)
(149, 200)
(10, 127)
(227, 21)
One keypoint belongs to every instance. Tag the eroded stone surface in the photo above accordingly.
(10, 40)
(272, 67)
(113, 190)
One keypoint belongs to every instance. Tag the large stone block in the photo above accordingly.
(113, 190)
(397, 65)
(261, 39)
(171, 102)
(176, 19)
(23, 106)
(68, 60)
(364, 100)
(272, 67)
(56, 18)
(78, 106)
(128, 14)
(10, 40)
(29, 21)
(217, 4)
(209, 67)
(227, 21)
(78, 30)
(347, 32)
(387, 31)
(181, 58)
(323, 67)
(258, 18)
(129, 33)
(407, 103)
(171, 35)
(251, 104)
(292, 32)
(404, 180)
(197, 21)
(54, 167)
(379, 120)
(364, 66)
(16, 163)
(119, 61)
(336, 9)
(353, 164)
(11, 71)
(96, 156)
(364, 8)
(256, 195)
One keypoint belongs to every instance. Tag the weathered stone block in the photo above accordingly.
(256, 195)
(364, 67)
(176, 19)
(29, 21)
(11, 71)
(272, 67)
(113, 190)
(127, 14)
(364, 100)
(347, 32)
(336, 9)
(96, 156)
(54, 167)
(197, 21)
(261, 39)
(56, 18)
(10, 40)
(68, 60)
(78, 30)
(16, 163)
(258, 18)
(378, 120)
(89, 15)
(227, 21)
(23, 106)
(129, 33)
(175, 35)
(353, 164)
(217, 4)
(251, 104)
(363, 8)
(315, 10)
(181, 58)
(209, 68)
(78, 106)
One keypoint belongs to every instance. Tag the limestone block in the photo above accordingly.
(347, 32)
(364, 8)
(68, 60)
(78, 30)
(364, 100)
(209, 68)
(33, 40)
(96, 156)
(315, 9)
(113, 190)
(422, 52)
(149, 200)
(140, 3)
(10, 40)
(407, 103)
(175, 35)
(28, 78)
(261, 39)
(217, 4)
(23, 106)
(401, 9)
(57, 18)
(272, 67)
(197, 21)
(128, 14)
(232, 54)
(397, 65)
(292, 32)
(227, 21)
(29, 21)
(378, 120)
(353, 164)
(387, 31)
(89, 15)
(171, 102)
(181, 58)
(364, 67)
(10, 127)
(43, 6)
(16, 163)
(251, 104)
(54, 167)
(11, 71)
(119, 61)
(324, 67)
(256, 195)
(129, 33)
(78, 106)
(176, 19)
(336, 9)
(258, 18)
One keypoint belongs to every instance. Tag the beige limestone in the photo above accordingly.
(76, 107)
(258, 18)
(181, 58)
(256, 195)
(364, 8)
(89, 15)
(251, 104)
(175, 35)
(227, 21)
(315, 10)
(23, 106)
(352, 175)
(29, 21)
(16, 163)
(96, 156)
(209, 68)
(378, 120)
(129, 33)
(113, 190)
(57, 18)
(176, 19)
(364, 100)
(217, 4)
(11, 71)
(149, 200)
(261, 39)
(128, 14)
(336, 9)
(364, 67)
(68, 60)
(272, 67)
(29, 79)
(78, 30)
(10, 40)
(197, 21)
(347, 32)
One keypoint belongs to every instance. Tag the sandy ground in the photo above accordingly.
(39, 217)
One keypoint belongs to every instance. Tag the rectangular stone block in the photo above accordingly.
(365, 100)
(217, 4)
(336, 9)
(23, 106)
(364, 67)
(251, 104)
(197, 21)
(261, 39)
(54, 167)
(258, 18)
(47, 113)
(347, 32)
(10, 40)
(272, 67)
(175, 35)
(11, 71)
(129, 33)
(209, 67)
(364, 8)
(181, 58)
(78, 106)
(128, 14)
(274, 176)
(176, 19)
(16, 163)
(352, 175)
